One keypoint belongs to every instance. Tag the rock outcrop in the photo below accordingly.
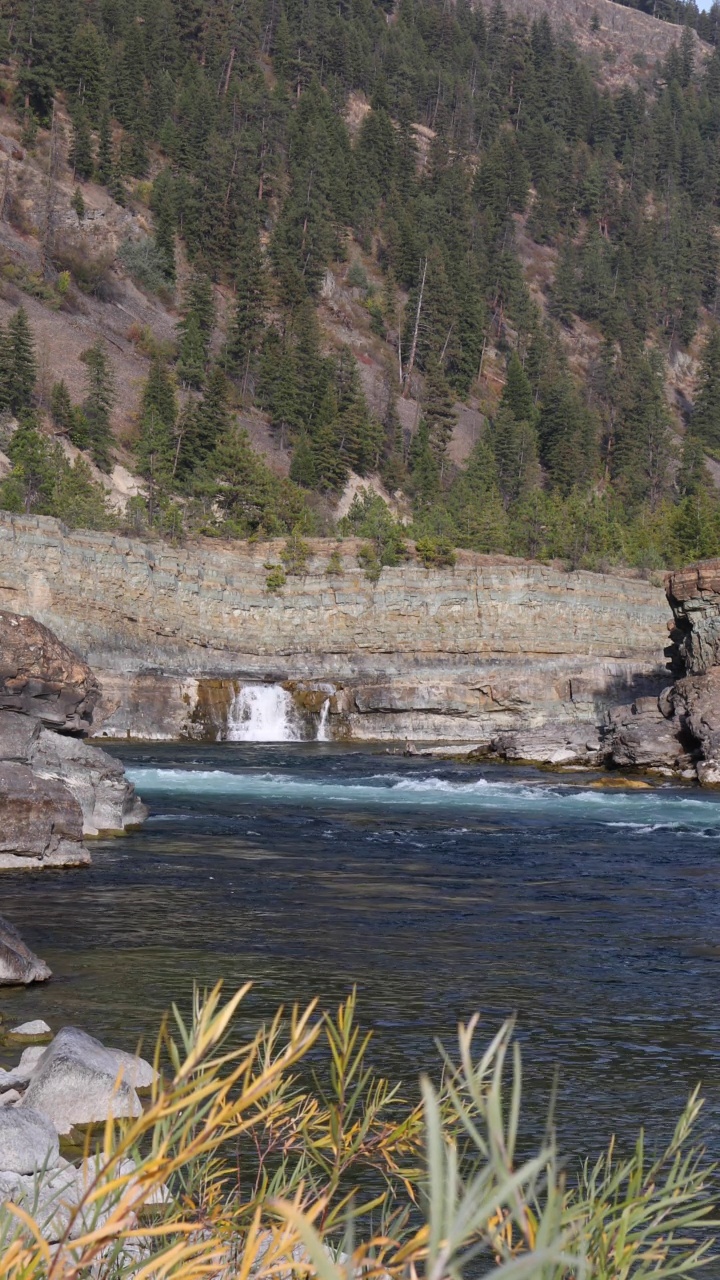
(18, 964)
(41, 677)
(491, 646)
(54, 788)
(679, 732)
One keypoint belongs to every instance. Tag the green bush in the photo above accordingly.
(435, 553)
(276, 578)
(295, 554)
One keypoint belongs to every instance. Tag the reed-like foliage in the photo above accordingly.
(242, 1166)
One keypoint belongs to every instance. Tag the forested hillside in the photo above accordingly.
(507, 233)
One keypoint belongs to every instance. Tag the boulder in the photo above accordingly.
(553, 745)
(640, 735)
(18, 964)
(51, 1197)
(108, 801)
(78, 1081)
(40, 676)
(35, 1030)
(28, 1140)
(42, 822)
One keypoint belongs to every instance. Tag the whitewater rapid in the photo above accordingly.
(657, 809)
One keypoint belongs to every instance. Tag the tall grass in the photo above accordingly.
(242, 1166)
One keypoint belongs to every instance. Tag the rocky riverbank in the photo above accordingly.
(54, 1087)
(55, 789)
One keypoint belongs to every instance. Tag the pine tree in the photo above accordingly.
(424, 469)
(515, 448)
(163, 205)
(29, 486)
(195, 330)
(155, 449)
(81, 152)
(61, 407)
(438, 410)
(517, 393)
(213, 416)
(22, 370)
(706, 410)
(302, 466)
(105, 149)
(100, 397)
(247, 324)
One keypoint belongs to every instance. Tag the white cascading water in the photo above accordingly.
(263, 713)
(323, 733)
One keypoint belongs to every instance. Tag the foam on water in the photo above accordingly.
(660, 809)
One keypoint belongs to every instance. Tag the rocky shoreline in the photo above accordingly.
(55, 789)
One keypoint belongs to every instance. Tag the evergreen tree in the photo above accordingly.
(438, 410)
(100, 397)
(247, 325)
(213, 416)
(514, 446)
(706, 410)
(105, 149)
(195, 331)
(517, 393)
(21, 362)
(81, 152)
(156, 444)
(61, 407)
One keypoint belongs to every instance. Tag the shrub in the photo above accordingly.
(334, 564)
(276, 578)
(295, 554)
(357, 276)
(92, 273)
(145, 263)
(435, 553)
(242, 1166)
(370, 561)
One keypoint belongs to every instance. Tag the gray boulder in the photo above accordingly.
(18, 964)
(28, 1140)
(108, 801)
(562, 744)
(41, 821)
(78, 1081)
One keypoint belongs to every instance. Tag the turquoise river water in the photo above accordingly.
(437, 888)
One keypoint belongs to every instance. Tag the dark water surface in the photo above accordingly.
(439, 889)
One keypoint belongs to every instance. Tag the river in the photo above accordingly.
(437, 888)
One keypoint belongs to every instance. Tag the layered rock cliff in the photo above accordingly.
(459, 654)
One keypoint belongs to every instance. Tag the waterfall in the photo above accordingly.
(323, 733)
(263, 713)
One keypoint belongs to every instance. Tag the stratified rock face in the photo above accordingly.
(18, 964)
(463, 654)
(41, 677)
